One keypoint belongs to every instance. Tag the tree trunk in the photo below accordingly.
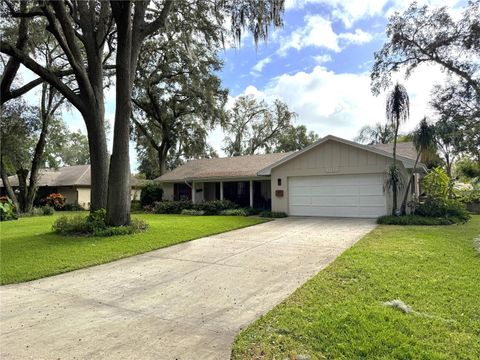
(118, 204)
(395, 187)
(8, 186)
(448, 165)
(22, 175)
(162, 157)
(36, 162)
(97, 144)
(403, 207)
(38, 153)
(130, 35)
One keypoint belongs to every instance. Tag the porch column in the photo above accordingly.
(417, 185)
(251, 193)
(193, 192)
(221, 190)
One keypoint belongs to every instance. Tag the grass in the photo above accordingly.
(346, 311)
(29, 250)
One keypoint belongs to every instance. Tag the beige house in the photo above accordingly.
(331, 177)
(71, 181)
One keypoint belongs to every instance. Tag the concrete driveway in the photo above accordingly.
(183, 302)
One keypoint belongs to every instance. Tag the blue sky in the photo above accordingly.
(319, 64)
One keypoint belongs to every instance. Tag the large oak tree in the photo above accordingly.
(83, 30)
(254, 126)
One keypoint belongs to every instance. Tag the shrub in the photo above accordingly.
(47, 210)
(192, 212)
(71, 225)
(442, 208)
(136, 206)
(235, 212)
(272, 214)
(150, 194)
(37, 211)
(253, 211)
(56, 200)
(95, 221)
(7, 209)
(171, 207)
(437, 184)
(214, 207)
(175, 207)
(94, 225)
(415, 220)
(73, 207)
(135, 226)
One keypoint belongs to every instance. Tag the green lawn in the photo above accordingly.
(339, 314)
(29, 250)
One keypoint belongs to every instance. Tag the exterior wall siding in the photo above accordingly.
(84, 197)
(70, 194)
(329, 158)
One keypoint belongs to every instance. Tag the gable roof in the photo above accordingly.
(405, 149)
(78, 175)
(228, 167)
(408, 161)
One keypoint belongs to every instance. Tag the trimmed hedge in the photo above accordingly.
(235, 212)
(416, 220)
(272, 214)
(208, 207)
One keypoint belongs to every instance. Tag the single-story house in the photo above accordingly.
(331, 177)
(71, 181)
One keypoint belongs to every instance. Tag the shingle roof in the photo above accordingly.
(405, 149)
(78, 175)
(237, 166)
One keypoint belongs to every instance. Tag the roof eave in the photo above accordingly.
(212, 178)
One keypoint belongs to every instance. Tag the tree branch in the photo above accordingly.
(146, 133)
(159, 22)
(44, 73)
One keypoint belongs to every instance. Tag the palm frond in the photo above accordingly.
(424, 136)
(393, 179)
(398, 105)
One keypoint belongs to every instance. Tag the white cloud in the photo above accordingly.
(340, 104)
(318, 32)
(358, 37)
(349, 11)
(322, 59)
(258, 67)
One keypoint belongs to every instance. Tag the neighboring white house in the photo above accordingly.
(71, 181)
(331, 177)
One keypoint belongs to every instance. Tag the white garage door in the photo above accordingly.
(337, 195)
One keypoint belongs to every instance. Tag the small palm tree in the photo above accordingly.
(397, 111)
(424, 140)
(376, 134)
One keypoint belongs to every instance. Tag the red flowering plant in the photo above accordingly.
(56, 200)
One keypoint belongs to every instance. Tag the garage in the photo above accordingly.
(359, 195)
